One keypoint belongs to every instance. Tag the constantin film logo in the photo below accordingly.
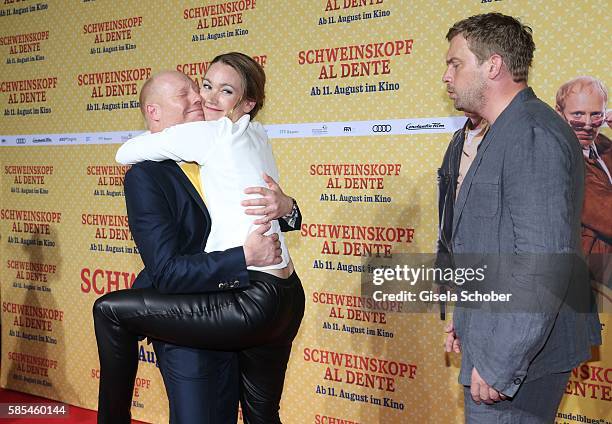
(427, 126)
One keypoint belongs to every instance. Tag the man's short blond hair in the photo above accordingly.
(578, 84)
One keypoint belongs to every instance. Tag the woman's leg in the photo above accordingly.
(262, 368)
(226, 321)
(118, 353)
(262, 376)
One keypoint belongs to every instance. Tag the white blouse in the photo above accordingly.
(232, 157)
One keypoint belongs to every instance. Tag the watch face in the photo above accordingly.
(293, 210)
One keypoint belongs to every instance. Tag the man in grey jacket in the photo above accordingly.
(518, 211)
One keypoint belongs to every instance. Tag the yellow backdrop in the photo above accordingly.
(356, 111)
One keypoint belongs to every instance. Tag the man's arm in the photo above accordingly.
(156, 232)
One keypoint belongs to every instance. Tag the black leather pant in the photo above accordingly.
(259, 321)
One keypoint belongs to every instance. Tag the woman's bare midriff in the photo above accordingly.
(281, 272)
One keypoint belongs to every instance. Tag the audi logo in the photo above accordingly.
(381, 128)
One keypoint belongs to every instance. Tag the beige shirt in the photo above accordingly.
(470, 147)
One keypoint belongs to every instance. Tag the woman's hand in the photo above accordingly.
(272, 204)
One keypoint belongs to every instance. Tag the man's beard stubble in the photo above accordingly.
(473, 98)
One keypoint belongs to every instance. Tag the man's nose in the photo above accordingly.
(196, 98)
(446, 76)
(588, 121)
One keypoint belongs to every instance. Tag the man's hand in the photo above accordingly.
(482, 392)
(452, 343)
(274, 202)
(261, 250)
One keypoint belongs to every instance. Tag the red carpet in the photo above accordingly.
(77, 415)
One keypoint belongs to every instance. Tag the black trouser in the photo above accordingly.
(260, 321)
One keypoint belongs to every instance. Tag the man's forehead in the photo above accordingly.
(174, 82)
(585, 95)
(458, 47)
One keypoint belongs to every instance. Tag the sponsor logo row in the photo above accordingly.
(301, 130)
(67, 139)
(367, 128)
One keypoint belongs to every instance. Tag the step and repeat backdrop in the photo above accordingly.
(359, 121)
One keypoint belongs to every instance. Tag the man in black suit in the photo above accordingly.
(170, 224)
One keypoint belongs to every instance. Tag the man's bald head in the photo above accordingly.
(169, 98)
(150, 91)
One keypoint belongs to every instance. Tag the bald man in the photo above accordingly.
(170, 225)
(582, 103)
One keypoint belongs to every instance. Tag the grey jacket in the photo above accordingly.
(520, 204)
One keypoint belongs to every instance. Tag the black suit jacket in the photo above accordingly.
(170, 225)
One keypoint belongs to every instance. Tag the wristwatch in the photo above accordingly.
(292, 216)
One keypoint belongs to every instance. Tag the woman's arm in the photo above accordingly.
(190, 142)
(272, 201)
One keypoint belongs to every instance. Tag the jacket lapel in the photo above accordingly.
(450, 171)
(469, 177)
(183, 180)
(498, 127)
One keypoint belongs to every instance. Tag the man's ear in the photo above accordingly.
(153, 112)
(495, 65)
(558, 109)
(248, 105)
